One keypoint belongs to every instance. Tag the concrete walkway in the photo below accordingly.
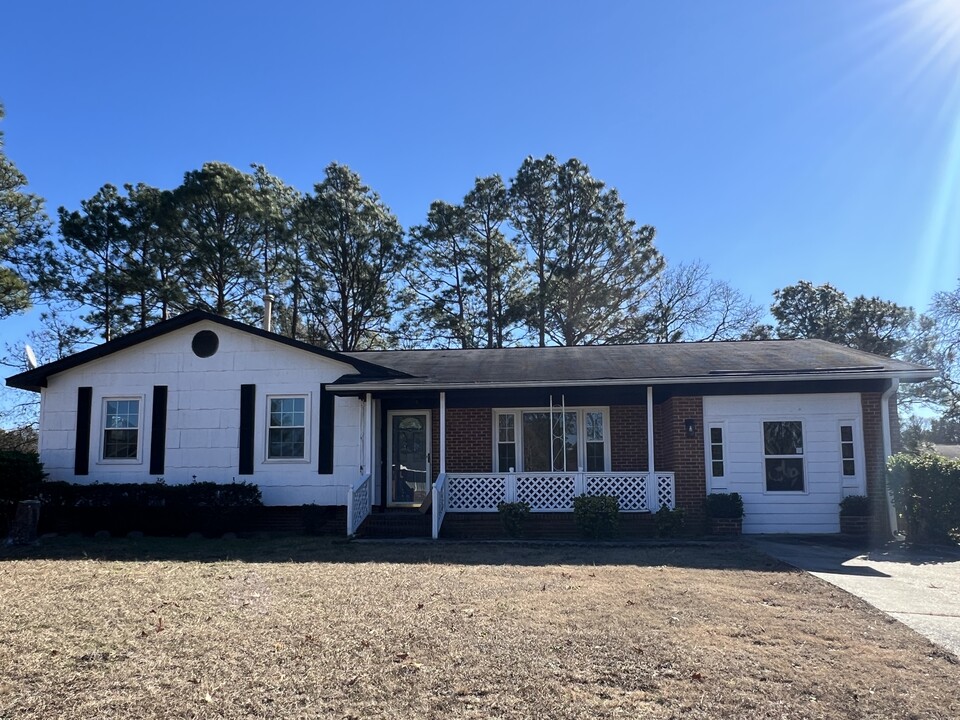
(920, 587)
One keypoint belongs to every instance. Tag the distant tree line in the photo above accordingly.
(551, 257)
(548, 257)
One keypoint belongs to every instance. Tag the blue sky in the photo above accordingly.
(775, 141)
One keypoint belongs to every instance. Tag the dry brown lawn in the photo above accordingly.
(313, 628)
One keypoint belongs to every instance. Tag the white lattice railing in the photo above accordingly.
(359, 502)
(554, 492)
(666, 490)
(439, 503)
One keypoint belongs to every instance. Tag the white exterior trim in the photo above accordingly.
(99, 440)
(816, 509)
(905, 375)
(429, 452)
(580, 410)
(307, 428)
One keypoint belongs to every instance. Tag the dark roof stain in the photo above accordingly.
(714, 360)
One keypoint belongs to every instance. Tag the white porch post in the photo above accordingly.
(652, 502)
(443, 432)
(368, 434)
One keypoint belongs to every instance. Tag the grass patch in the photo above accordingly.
(310, 627)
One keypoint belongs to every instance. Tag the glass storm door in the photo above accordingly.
(409, 451)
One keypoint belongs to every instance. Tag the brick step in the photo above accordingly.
(309, 519)
(394, 524)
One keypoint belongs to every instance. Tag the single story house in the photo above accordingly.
(792, 425)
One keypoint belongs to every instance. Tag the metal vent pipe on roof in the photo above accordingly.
(268, 312)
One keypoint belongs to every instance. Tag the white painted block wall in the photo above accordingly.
(203, 414)
(816, 509)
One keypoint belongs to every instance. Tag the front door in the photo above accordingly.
(408, 447)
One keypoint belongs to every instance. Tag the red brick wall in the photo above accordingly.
(628, 438)
(684, 455)
(469, 440)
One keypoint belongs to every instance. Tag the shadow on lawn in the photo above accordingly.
(688, 554)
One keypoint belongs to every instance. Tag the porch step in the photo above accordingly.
(309, 519)
(396, 525)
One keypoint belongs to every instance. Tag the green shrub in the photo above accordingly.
(20, 476)
(855, 506)
(725, 505)
(514, 516)
(153, 508)
(926, 489)
(597, 516)
(669, 522)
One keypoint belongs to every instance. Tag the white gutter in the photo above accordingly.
(917, 375)
(888, 445)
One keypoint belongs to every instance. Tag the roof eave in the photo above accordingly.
(902, 376)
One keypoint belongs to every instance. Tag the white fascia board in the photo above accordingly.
(903, 376)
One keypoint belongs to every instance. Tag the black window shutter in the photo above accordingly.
(158, 430)
(248, 409)
(325, 462)
(81, 458)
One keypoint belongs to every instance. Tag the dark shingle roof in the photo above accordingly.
(716, 361)
(37, 378)
(595, 364)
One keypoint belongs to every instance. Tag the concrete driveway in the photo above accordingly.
(920, 587)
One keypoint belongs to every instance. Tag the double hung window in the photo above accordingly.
(541, 440)
(121, 429)
(287, 428)
(783, 456)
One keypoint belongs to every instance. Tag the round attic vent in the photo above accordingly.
(205, 343)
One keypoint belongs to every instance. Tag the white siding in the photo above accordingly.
(203, 414)
(816, 509)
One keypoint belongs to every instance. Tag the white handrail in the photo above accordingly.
(359, 503)
(439, 503)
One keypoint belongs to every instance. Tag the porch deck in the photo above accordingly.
(637, 492)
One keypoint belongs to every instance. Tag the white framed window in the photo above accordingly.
(783, 456)
(122, 419)
(594, 441)
(850, 444)
(287, 435)
(538, 440)
(716, 456)
(848, 461)
(506, 441)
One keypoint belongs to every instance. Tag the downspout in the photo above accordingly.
(888, 446)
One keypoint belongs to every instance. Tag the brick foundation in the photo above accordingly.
(538, 526)
(726, 526)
